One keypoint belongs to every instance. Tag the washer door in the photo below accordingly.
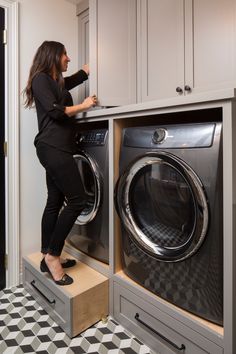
(91, 180)
(163, 206)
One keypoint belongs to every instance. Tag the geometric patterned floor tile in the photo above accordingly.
(26, 328)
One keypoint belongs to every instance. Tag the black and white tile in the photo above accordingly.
(26, 328)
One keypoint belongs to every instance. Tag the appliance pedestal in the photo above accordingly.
(74, 307)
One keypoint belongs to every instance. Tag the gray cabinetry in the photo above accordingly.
(214, 44)
(160, 330)
(143, 50)
(129, 298)
(55, 303)
(113, 51)
(185, 46)
(126, 296)
(161, 48)
(83, 34)
(74, 308)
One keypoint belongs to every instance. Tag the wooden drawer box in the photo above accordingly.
(160, 331)
(74, 307)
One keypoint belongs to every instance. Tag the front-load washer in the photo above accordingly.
(169, 200)
(90, 231)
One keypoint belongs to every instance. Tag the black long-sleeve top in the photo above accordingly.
(55, 127)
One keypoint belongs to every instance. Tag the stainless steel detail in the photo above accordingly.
(123, 203)
(159, 136)
(86, 218)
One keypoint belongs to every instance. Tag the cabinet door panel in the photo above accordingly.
(83, 27)
(214, 44)
(115, 64)
(162, 48)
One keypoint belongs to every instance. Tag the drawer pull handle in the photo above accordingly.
(40, 292)
(159, 334)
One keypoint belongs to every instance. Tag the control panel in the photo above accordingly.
(92, 137)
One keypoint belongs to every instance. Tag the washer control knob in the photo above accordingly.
(159, 136)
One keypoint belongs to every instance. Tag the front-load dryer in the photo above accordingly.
(90, 231)
(169, 200)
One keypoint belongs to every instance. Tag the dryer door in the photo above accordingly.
(90, 177)
(163, 206)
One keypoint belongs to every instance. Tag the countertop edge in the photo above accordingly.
(207, 96)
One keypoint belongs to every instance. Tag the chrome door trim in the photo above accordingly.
(85, 219)
(201, 206)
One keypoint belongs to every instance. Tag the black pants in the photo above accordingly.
(63, 184)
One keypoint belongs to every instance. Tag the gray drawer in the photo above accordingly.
(75, 307)
(159, 330)
(56, 306)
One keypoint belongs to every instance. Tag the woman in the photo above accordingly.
(55, 145)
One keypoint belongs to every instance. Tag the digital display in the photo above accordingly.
(96, 138)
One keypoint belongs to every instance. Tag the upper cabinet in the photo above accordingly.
(160, 48)
(213, 32)
(185, 46)
(83, 45)
(113, 51)
(142, 50)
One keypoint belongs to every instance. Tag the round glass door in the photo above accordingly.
(163, 206)
(92, 186)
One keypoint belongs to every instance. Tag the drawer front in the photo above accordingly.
(56, 307)
(161, 332)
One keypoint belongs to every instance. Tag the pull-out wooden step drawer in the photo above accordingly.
(74, 307)
(160, 331)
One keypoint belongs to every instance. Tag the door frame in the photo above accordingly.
(12, 139)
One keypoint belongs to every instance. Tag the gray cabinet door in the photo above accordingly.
(161, 48)
(189, 45)
(113, 51)
(83, 28)
(214, 44)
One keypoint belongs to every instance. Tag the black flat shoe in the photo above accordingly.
(65, 280)
(68, 263)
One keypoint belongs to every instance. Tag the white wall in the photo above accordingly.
(38, 21)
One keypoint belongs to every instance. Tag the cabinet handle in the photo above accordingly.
(187, 88)
(179, 89)
(182, 347)
(40, 292)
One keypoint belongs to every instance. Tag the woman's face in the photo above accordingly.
(64, 61)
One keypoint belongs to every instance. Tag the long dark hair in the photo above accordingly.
(47, 59)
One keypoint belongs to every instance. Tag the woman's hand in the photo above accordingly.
(85, 67)
(90, 101)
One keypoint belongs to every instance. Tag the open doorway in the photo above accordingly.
(2, 154)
